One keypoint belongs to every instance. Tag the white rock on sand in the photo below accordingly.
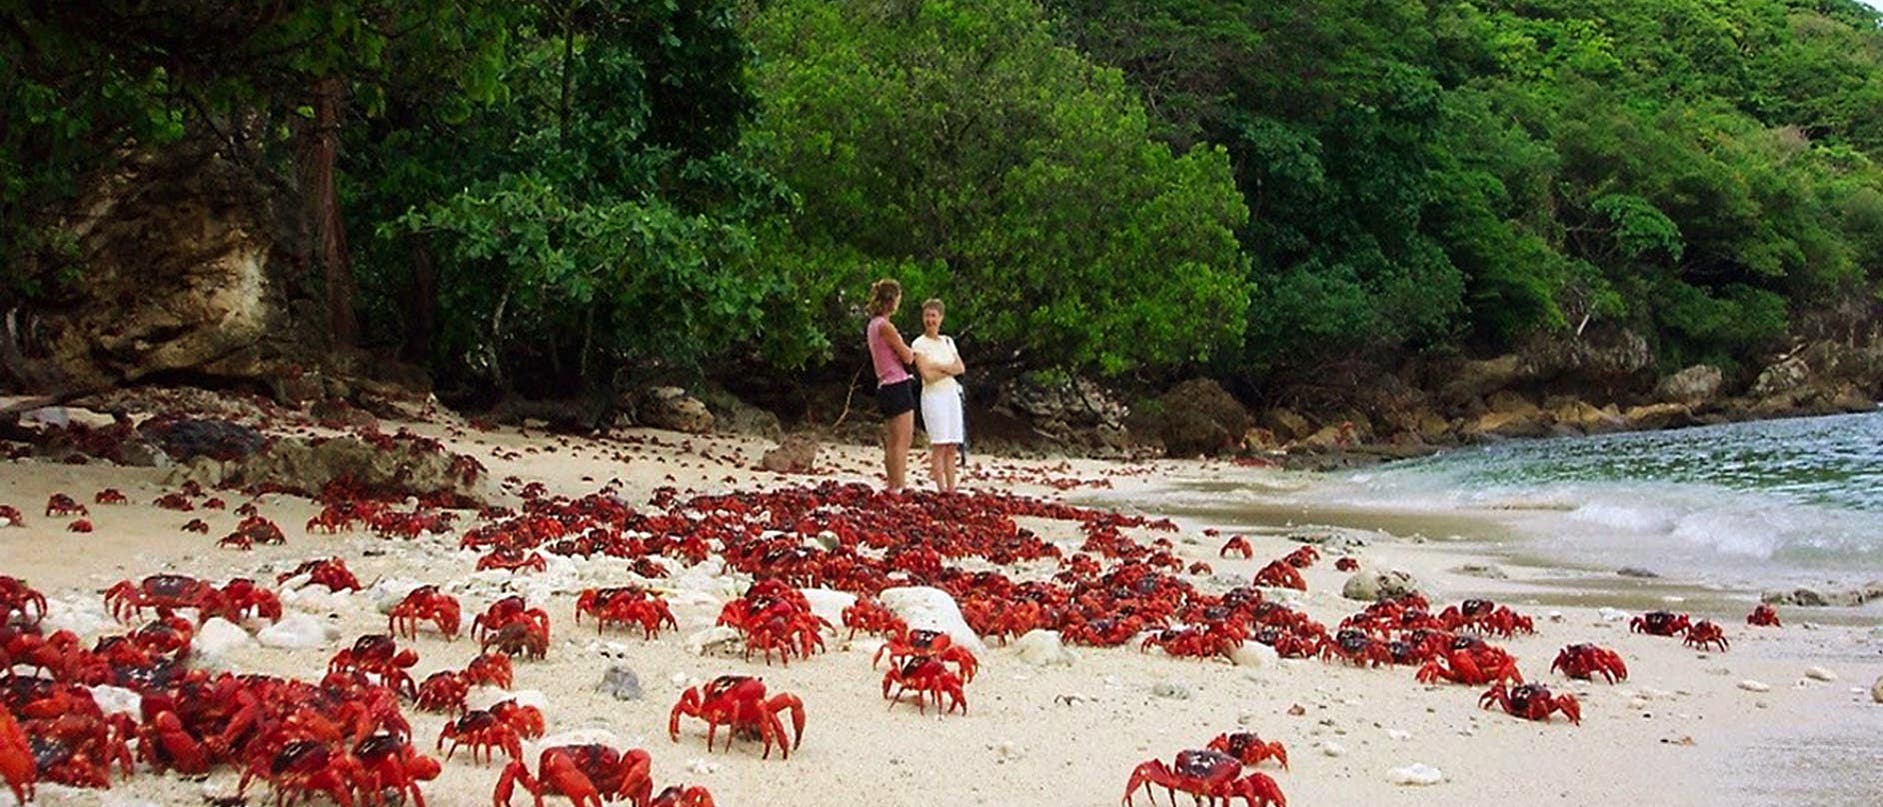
(1418, 773)
(217, 637)
(829, 604)
(297, 632)
(1043, 648)
(713, 640)
(1750, 685)
(117, 700)
(1256, 655)
(1820, 674)
(927, 608)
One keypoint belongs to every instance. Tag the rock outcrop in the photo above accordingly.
(183, 276)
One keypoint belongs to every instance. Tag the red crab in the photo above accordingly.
(18, 598)
(1249, 749)
(774, 616)
(62, 505)
(527, 720)
(928, 677)
(304, 767)
(928, 643)
(215, 504)
(1660, 623)
(379, 655)
(490, 669)
(197, 525)
(81, 525)
(1357, 648)
(869, 616)
(244, 597)
(12, 516)
(175, 501)
(1472, 662)
(1347, 564)
(678, 796)
(480, 729)
(511, 558)
(1531, 702)
(254, 530)
(16, 759)
(330, 572)
(443, 691)
(1214, 639)
(425, 603)
(739, 702)
(1584, 660)
(1705, 633)
(1279, 574)
(1205, 774)
(164, 592)
(108, 496)
(392, 764)
(626, 605)
(1302, 557)
(1764, 616)
(584, 773)
(527, 639)
(1236, 544)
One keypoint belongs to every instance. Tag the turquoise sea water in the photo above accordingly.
(1768, 500)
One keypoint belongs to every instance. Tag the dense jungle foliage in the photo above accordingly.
(539, 194)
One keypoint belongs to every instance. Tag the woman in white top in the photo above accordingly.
(939, 363)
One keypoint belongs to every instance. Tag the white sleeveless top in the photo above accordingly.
(940, 351)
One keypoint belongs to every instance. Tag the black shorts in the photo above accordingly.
(895, 399)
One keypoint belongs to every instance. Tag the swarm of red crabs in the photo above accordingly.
(345, 736)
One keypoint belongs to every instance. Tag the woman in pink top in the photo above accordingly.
(895, 388)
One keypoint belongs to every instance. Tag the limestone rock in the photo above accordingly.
(1200, 417)
(1830, 596)
(927, 608)
(1785, 376)
(1820, 674)
(673, 409)
(407, 467)
(1695, 386)
(182, 275)
(620, 683)
(796, 454)
(1659, 416)
(297, 631)
(1416, 774)
(734, 416)
(1372, 586)
(1286, 424)
(1876, 690)
(1043, 648)
(1256, 655)
(829, 604)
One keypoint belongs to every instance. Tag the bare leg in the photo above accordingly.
(945, 465)
(901, 431)
(938, 454)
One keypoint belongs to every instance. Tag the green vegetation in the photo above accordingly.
(538, 194)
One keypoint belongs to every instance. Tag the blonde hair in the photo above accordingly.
(883, 296)
(935, 303)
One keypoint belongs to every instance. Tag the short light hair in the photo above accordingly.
(935, 303)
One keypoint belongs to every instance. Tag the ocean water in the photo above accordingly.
(1763, 502)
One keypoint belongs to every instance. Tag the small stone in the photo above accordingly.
(1611, 614)
(1416, 774)
(1175, 690)
(1396, 734)
(701, 765)
(1820, 674)
(1635, 571)
(712, 640)
(297, 631)
(1043, 648)
(1876, 690)
(1332, 749)
(1750, 685)
(117, 700)
(620, 683)
(1256, 655)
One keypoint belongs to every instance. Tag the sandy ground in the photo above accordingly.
(1680, 731)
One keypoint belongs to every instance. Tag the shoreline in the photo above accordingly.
(1037, 735)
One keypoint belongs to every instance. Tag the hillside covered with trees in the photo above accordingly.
(539, 197)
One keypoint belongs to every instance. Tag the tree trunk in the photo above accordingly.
(328, 227)
(421, 318)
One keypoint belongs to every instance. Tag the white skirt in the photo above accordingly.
(941, 414)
